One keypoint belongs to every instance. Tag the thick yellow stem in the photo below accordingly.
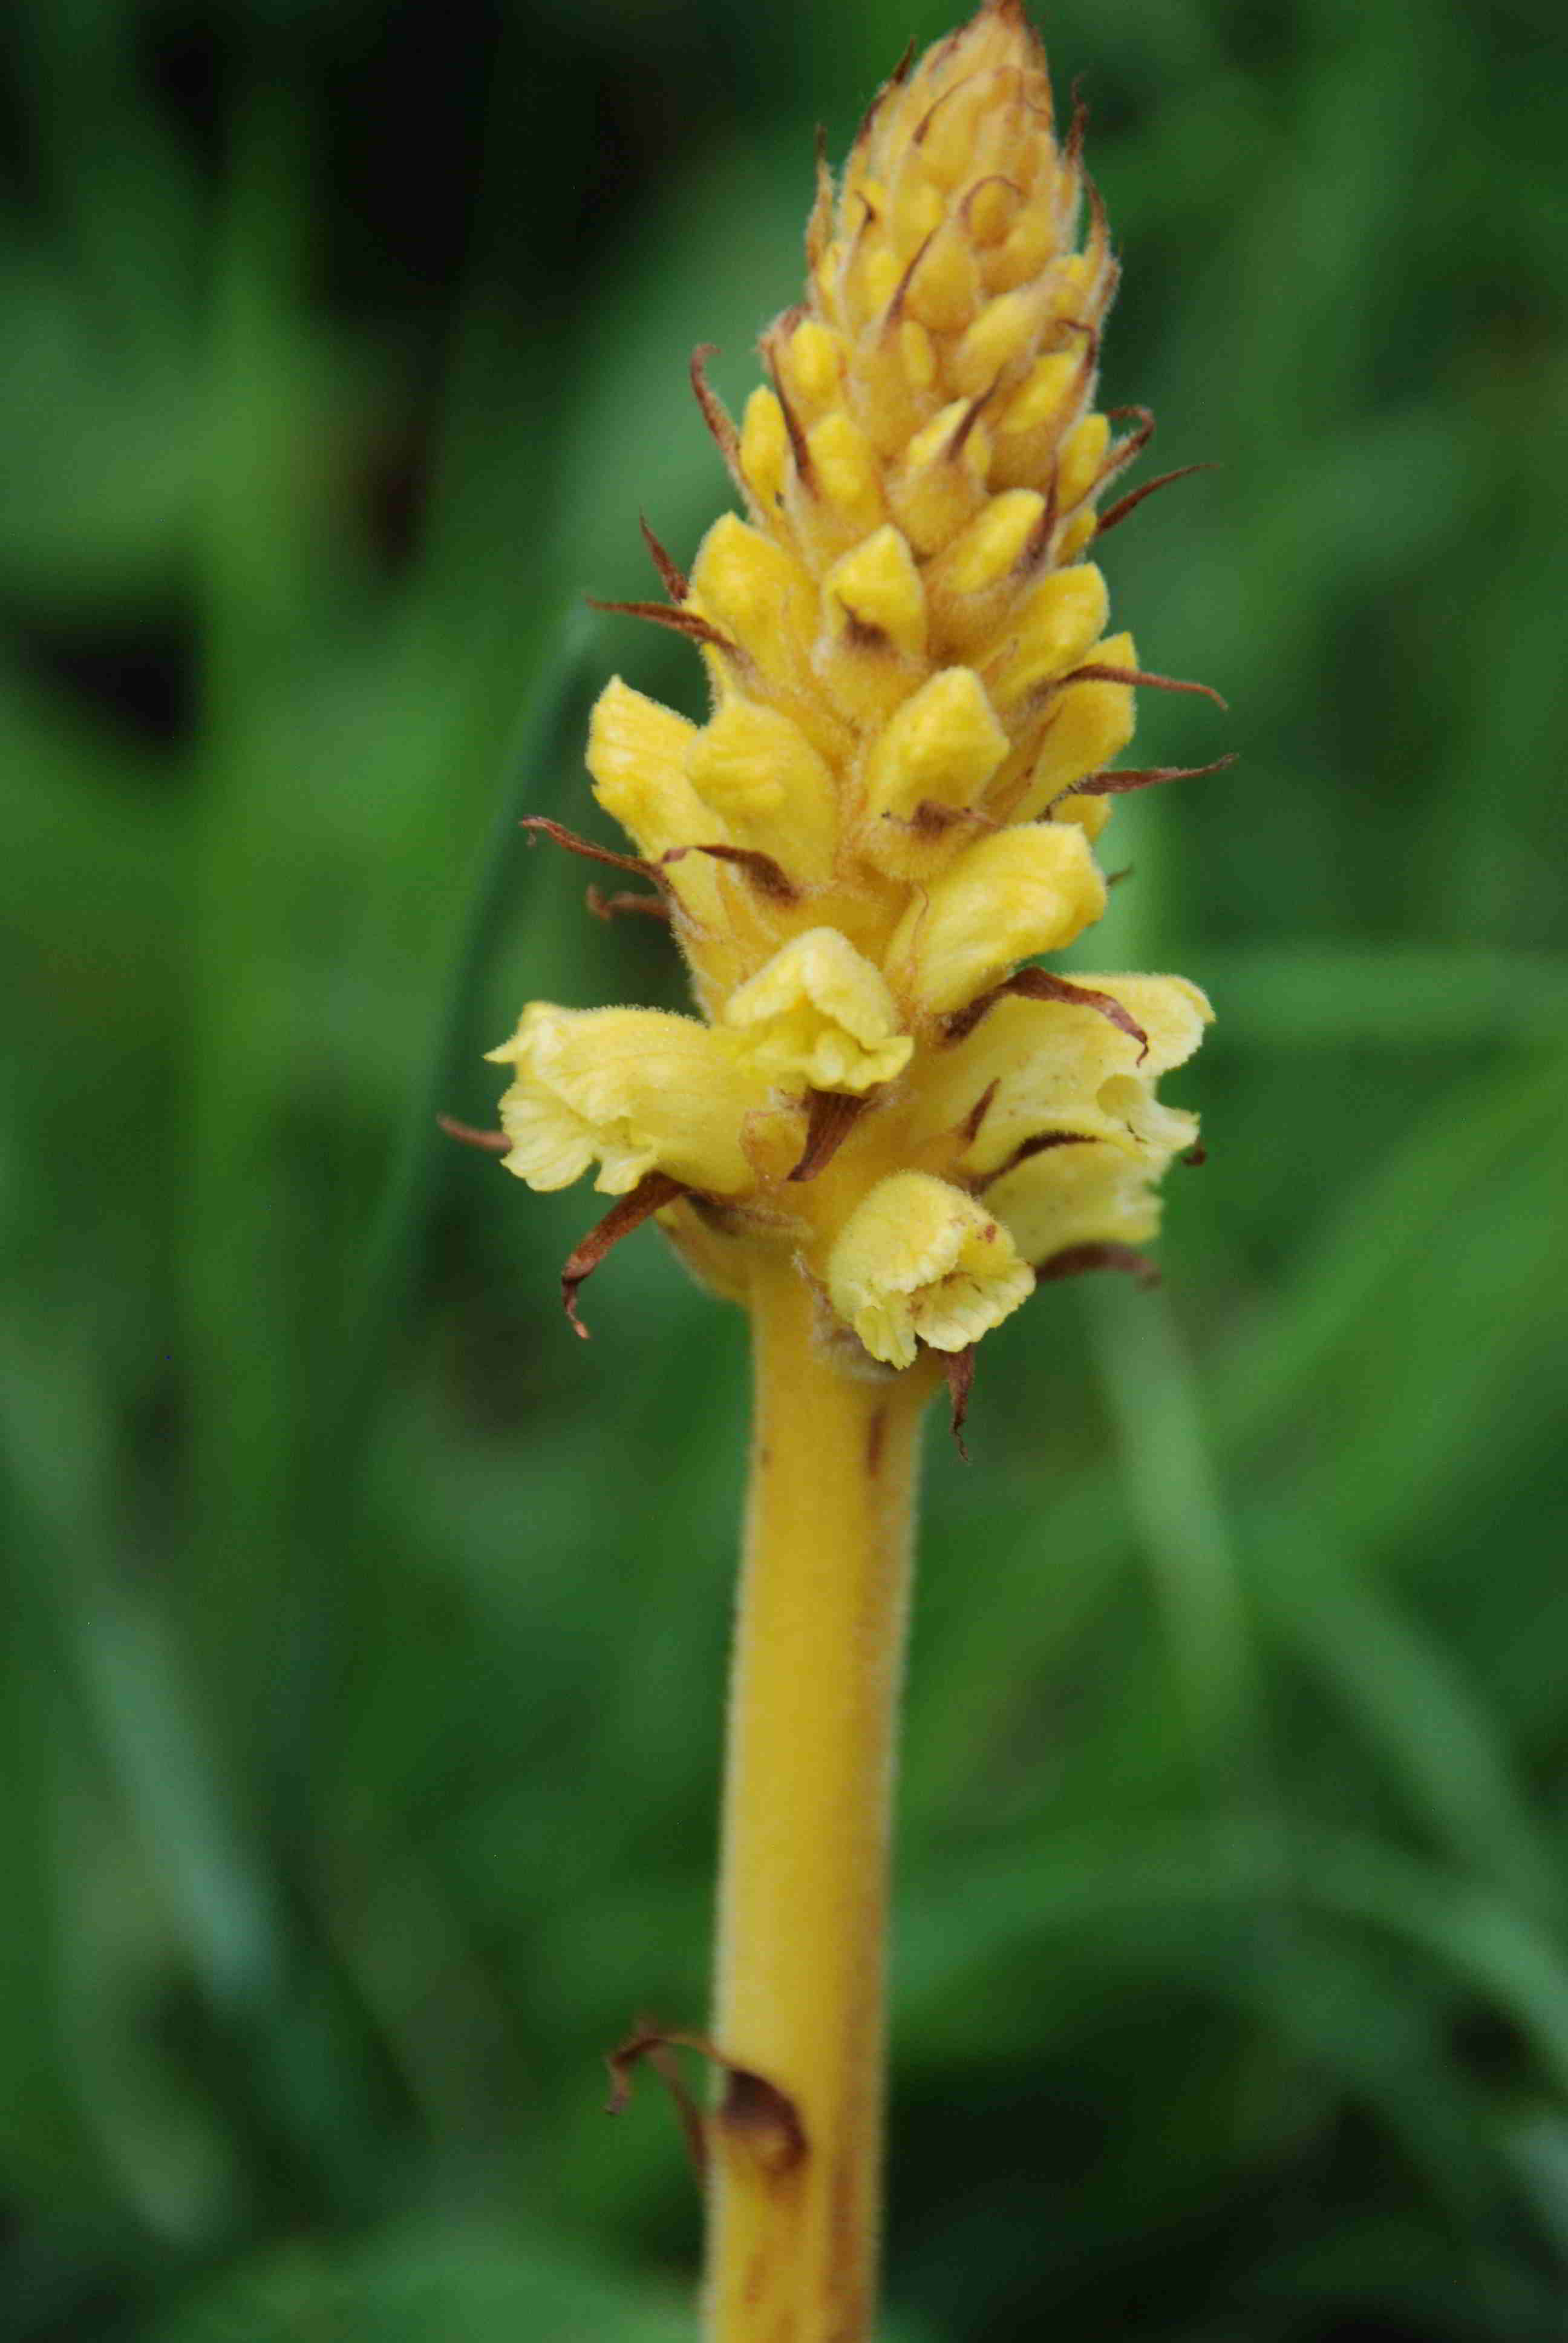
(795, 2215)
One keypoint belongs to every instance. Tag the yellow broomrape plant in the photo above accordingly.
(888, 1123)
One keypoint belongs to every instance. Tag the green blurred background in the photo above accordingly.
(365, 1635)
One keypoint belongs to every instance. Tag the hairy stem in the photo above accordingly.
(796, 2172)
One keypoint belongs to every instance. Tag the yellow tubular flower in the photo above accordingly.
(893, 804)
(636, 1089)
(1056, 1067)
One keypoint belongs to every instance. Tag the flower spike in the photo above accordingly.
(919, 705)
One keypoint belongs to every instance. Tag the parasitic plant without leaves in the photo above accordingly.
(886, 1123)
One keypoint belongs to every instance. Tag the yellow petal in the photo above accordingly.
(940, 747)
(764, 448)
(991, 545)
(1082, 454)
(768, 788)
(755, 592)
(813, 361)
(845, 471)
(1087, 727)
(637, 754)
(1053, 631)
(1007, 897)
(876, 591)
(1075, 1196)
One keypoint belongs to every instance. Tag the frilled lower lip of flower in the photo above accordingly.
(638, 1090)
(819, 1013)
(806, 1046)
(1062, 1199)
(552, 1145)
(920, 1262)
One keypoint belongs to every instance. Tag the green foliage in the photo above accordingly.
(413, 2286)
(365, 1639)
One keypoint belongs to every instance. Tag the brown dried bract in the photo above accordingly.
(647, 2042)
(969, 1130)
(753, 2112)
(1112, 784)
(766, 875)
(491, 1142)
(651, 1194)
(613, 907)
(714, 413)
(1039, 984)
(1096, 672)
(560, 836)
(960, 1368)
(805, 470)
(832, 1115)
(674, 579)
(680, 622)
(763, 2119)
(1041, 1143)
(1077, 1260)
(1134, 496)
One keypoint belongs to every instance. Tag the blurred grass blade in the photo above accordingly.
(1173, 1495)
(1430, 1736)
(1395, 1225)
(545, 749)
(1397, 996)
